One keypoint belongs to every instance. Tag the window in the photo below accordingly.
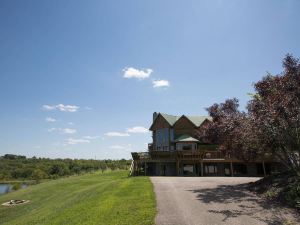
(162, 139)
(211, 169)
(172, 135)
(186, 146)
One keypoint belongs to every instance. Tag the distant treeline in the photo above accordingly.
(19, 167)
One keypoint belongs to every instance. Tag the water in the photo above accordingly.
(5, 188)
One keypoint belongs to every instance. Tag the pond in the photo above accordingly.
(5, 188)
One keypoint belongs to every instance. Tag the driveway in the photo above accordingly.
(214, 201)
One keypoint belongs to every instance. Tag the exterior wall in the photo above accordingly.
(184, 126)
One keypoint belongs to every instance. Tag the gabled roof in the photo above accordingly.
(195, 120)
(198, 120)
(169, 118)
(186, 138)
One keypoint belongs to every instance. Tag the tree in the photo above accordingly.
(38, 174)
(275, 110)
(271, 123)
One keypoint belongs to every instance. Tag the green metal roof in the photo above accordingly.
(186, 138)
(169, 118)
(196, 120)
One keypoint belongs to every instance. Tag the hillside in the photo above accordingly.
(109, 198)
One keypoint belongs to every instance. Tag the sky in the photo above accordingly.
(81, 79)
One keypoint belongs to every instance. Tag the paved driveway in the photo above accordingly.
(214, 200)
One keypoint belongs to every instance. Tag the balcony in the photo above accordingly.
(172, 147)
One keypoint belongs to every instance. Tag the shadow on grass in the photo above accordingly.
(235, 201)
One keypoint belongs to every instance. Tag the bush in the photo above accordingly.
(16, 186)
(293, 194)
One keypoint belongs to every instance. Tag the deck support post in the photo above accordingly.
(231, 169)
(134, 168)
(177, 167)
(202, 169)
(264, 168)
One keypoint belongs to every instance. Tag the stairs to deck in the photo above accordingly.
(131, 168)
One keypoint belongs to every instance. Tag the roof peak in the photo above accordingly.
(171, 119)
(180, 115)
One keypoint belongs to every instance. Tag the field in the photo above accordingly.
(108, 198)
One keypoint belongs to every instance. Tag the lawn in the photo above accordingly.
(109, 198)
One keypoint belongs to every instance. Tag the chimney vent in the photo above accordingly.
(155, 114)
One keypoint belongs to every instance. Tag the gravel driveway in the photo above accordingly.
(214, 200)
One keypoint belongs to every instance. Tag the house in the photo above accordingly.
(176, 151)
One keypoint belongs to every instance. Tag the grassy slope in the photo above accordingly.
(109, 198)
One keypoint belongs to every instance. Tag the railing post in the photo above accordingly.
(231, 168)
(201, 168)
(264, 168)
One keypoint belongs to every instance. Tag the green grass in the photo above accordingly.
(109, 198)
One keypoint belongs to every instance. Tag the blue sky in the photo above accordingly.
(81, 79)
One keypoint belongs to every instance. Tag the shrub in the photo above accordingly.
(293, 194)
(16, 186)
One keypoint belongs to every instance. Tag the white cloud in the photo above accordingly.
(49, 107)
(61, 107)
(135, 73)
(91, 137)
(73, 141)
(116, 134)
(69, 131)
(137, 129)
(71, 123)
(50, 119)
(161, 83)
(67, 108)
(63, 130)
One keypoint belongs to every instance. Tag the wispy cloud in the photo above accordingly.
(74, 141)
(49, 107)
(61, 107)
(71, 123)
(116, 134)
(137, 129)
(161, 83)
(91, 137)
(50, 119)
(63, 130)
(68, 131)
(131, 72)
(88, 108)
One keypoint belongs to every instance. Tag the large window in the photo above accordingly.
(162, 139)
(171, 135)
